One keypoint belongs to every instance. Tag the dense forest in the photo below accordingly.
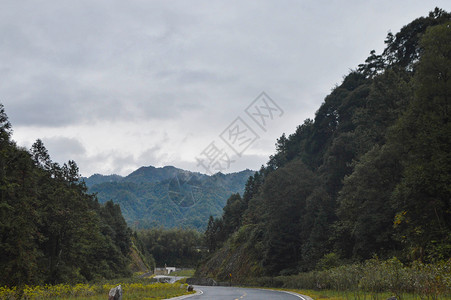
(172, 247)
(368, 177)
(51, 229)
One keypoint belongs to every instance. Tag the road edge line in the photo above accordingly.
(304, 297)
(198, 292)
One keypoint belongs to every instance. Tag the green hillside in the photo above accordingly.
(51, 229)
(168, 197)
(368, 177)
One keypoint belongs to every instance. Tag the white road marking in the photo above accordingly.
(295, 294)
(291, 293)
(198, 292)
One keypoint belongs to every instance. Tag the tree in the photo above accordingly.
(370, 174)
(284, 196)
(365, 213)
(403, 49)
(231, 216)
(50, 228)
(173, 247)
(374, 65)
(210, 235)
(41, 156)
(423, 134)
(18, 219)
(5, 126)
(316, 227)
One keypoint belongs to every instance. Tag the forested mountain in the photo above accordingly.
(168, 197)
(148, 174)
(172, 247)
(368, 176)
(51, 229)
(98, 178)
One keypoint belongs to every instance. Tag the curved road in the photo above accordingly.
(235, 293)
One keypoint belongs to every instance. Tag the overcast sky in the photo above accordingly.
(115, 85)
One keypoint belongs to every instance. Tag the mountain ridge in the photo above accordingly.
(168, 196)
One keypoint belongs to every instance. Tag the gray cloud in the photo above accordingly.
(63, 149)
(184, 67)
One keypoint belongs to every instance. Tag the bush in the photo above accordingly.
(329, 261)
(373, 276)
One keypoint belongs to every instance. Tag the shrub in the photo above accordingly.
(373, 276)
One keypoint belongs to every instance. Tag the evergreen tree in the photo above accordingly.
(284, 197)
(423, 135)
(370, 174)
(50, 228)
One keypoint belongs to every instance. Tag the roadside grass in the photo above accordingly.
(182, 281)
(372, 279)
(138, 274)
(337, 295)
(139, 290)
(186, 273)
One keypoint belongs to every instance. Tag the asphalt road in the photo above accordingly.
(235, 293)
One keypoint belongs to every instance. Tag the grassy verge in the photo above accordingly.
(139, 290)
(186, 273)
(346, 295)
(373, 279)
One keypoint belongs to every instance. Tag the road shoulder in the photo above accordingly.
(288, 292)
(198, 292)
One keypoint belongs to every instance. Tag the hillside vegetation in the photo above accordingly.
(368, 177)
(51, 229)
(168, 197)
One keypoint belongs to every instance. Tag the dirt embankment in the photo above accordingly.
(233, 262)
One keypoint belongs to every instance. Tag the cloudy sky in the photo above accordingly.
(115, 85)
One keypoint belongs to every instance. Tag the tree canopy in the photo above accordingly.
(51, 229)
(369, 175)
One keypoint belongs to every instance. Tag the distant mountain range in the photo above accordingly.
(168, 196)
